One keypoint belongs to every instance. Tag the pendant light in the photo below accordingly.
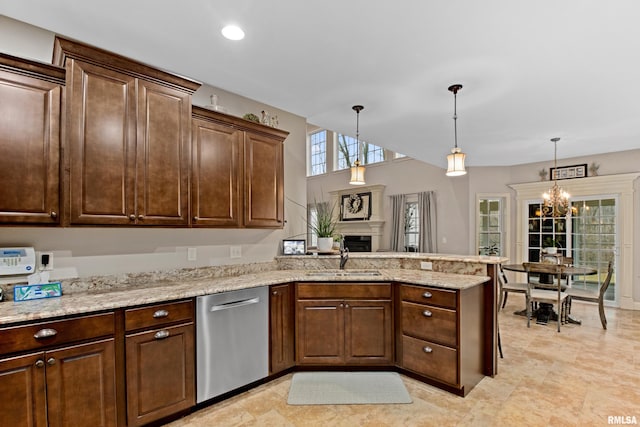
(455, 160)
(357, 170)
(556, 200)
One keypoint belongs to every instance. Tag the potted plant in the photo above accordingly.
(324, 226)
(550, 245)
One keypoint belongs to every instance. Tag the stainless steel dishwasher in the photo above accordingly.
(232, 340)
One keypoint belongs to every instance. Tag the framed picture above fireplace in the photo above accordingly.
(355, 207)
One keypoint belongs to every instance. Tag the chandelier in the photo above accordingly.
(357, 170)
(455, 160)
(556, 200)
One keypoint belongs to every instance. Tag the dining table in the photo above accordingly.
(546, 311)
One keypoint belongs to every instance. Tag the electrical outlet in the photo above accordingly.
(426, 265)
(45, 261)
(235, 252)
(192, 254)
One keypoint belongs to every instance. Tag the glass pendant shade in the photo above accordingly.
(455, 163)
(357, 174)
(556, 200)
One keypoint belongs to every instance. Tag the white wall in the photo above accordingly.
(91, 251)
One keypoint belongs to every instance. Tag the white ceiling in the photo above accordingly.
(531, 70)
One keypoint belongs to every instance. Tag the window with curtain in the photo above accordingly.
(413, 222)
(318, 153)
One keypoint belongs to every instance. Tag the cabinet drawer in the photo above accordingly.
(344, 290)
(427, 295)
(46, 334)
(429, 323)
(157, 315)
(430, 359)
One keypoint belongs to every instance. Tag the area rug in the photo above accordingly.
(347, 388)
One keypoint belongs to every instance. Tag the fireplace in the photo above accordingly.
(358, 243)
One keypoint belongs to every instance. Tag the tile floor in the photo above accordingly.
(578, 377)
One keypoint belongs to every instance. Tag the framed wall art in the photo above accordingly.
(569, 172)
(355, 207)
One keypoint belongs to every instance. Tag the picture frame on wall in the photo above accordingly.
(569, 172)
(355, 207)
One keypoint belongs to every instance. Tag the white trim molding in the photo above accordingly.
(621, 185)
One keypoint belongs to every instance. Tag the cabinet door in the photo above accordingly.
(320, 331)
(281, 328)
(22, 387)
(263, 182)
(160, 373)
(163, 151)
(30, 146)
(101, 134)
(368, 332)
(215, 188)
(81, 385)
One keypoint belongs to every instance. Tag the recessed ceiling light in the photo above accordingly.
(233, 32)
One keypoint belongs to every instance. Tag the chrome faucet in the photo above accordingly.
(344, 253)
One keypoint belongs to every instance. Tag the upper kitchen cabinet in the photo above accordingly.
(128, 140)
(30, 106)
(237, 172)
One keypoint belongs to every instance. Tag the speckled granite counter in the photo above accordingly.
(109, 298)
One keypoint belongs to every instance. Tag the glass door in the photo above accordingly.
(594, 240)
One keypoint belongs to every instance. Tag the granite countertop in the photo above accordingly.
(167, 290)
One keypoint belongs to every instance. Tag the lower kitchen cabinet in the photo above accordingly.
(344, 324)
(69, 386)
(281, 328)
(160, 365)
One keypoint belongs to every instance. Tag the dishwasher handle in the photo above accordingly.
(235, 304)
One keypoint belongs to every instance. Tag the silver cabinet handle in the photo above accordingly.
(45, 333)
(51, 361)
(427, 313)
(428, 349)
(39, 363)
(427, 294)
(234, 304)
(160, 314)
(161, 334)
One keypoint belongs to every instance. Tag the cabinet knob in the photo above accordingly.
(140, 217)
(51, 361)
(159, 314)
(161, 334)
(346, 306)
(341, 305)
(274, 293)
(195, 218)
(427, 294)
(427, 313)
(39, 363)
(132, 217)
(45, 333)
(427, 349)
(54, 214)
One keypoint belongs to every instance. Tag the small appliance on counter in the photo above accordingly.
(16, 261)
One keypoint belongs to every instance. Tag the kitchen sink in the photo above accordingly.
(343, 273)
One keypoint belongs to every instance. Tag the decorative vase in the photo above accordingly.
(325, 244)
(551, 250)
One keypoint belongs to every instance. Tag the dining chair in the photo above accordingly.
(506, 287)
(552, 294)
(596, 296)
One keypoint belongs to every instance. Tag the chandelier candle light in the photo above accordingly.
(455, 160)
(556, 200)
(357, 171)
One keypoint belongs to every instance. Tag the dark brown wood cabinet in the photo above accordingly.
(237, 172)
(281, 328)
(128, 134)
(56, 384)
(160, 361)
(30, 106)
(440, 335)
(344, 324)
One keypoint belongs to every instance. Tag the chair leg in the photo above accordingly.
(504, 299)
(603, 319)
(528, 313)
(500, 346)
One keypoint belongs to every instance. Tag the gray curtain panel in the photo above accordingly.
(427, 211)
(397, 222)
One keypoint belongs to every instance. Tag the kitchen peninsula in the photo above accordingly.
(385, 290)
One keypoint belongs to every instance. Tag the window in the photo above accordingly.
(372, 153)
(490, 226)
(347, 151)
(411, 226)
(318, 153)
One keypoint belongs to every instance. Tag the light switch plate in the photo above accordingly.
(235, 252)
(426, 265)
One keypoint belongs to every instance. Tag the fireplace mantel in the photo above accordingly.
(370, 227)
